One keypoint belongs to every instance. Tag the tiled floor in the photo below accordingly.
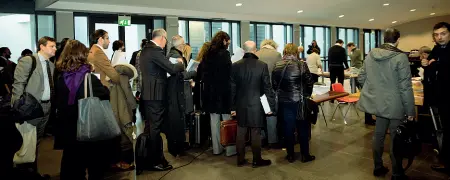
(342, 152)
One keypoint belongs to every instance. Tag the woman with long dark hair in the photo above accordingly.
(215, 71)
(77, 156)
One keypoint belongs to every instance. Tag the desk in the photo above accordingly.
(331, 95)
(347, 75)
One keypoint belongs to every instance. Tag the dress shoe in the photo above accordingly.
(242, 163)
(290, 158)
(261, 163)
(308, 158)
(380, 171)
(404, 177)
(162, 167)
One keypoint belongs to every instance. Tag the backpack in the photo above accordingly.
(406, 142)
(142, 153)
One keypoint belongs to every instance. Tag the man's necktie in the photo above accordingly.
(50, 80)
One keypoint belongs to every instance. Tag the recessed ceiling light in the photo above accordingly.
(386, 4)
(239, 4)
(371, 19)
(300, 11)
(393, 22)
(341, 16)
(412, 10)
(432, 14)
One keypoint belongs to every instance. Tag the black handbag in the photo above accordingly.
(27, 107)
(406, 143)
(307, 108)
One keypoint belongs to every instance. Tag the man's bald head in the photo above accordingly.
(249, 47)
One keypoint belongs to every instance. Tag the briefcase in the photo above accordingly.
(228, 132)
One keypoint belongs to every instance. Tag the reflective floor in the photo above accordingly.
(342, 152)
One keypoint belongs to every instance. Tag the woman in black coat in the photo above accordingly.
(216, 79)
(69, 88)
(295, 82)
(180, 102)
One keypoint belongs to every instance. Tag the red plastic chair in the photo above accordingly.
(347, 99)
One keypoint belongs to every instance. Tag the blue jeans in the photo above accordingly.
(290, 123)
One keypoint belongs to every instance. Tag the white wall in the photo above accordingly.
(418, 33)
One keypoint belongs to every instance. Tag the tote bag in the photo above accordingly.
(96, 120)
(27, 153)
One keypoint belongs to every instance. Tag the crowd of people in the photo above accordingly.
(167, 94)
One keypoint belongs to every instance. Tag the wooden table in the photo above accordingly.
(347, 75)
(330, 95)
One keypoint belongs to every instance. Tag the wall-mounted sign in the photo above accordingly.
(124, 21)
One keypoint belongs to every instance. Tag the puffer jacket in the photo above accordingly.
(387, 88)
(296, 78)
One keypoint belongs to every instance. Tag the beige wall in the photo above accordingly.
(418, 33)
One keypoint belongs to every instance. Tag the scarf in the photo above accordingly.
(73, 81)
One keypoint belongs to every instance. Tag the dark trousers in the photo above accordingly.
(444, 117)
(290, 122)
(256, 142)
(154, 115)
(315, 77)
(93, 156)
(337, 72)
(382, 125)
(368, 118)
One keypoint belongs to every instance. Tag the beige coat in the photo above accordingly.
(121, 97)
(270, 56)
(102, 65)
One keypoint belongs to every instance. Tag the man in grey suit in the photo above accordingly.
(40, 84)
(269, 54)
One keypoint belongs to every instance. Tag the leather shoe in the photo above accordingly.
(161, 167)
(308, 158)
(380, 171)
(261, 163)
(290, 158)
(242, 163)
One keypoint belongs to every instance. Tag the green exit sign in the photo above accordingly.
(124, 21)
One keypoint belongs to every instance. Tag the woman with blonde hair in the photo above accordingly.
(292, 81)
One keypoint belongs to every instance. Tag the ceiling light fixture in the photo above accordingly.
(412, 10)
(371, 19)
(386, 4)
(393, 22)
(300, 11)
(432, 14)
(341, 16)
(239, 4)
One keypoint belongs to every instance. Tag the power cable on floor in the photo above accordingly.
(185, 164)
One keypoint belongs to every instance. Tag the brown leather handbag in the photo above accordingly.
(228, 132)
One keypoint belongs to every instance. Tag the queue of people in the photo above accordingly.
(168, 94)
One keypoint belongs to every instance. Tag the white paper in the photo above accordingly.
(265, 104)
(173, 60)
(192, 65)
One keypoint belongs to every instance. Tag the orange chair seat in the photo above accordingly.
(348, 99)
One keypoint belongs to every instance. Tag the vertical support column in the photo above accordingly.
(361, 43)
(64, 25)
(296, 34)
(171, 28)
(245, 31)
(334, 37)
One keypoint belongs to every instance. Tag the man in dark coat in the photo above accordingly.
(154, 68)
(249, 81)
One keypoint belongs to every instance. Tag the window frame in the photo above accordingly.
(46, 13)
(377, 38)
(324, 59)
(271, 24)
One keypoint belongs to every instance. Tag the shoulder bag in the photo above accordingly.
(307, 108)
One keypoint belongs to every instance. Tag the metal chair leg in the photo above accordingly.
(323, 114)
(356, 110)
(332, 117)
(345, 116)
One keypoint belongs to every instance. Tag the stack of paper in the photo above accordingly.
(192, 65)
(265, 104)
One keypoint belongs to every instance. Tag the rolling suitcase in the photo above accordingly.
(199, 129)
(142, 153)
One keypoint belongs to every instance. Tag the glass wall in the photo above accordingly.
(348, 35)
(372, 39)
(25, 29)
(197, 32)
(280, 33)
(158, 23)
(318, 33)
(81, 29)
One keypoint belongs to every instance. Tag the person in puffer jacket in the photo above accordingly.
(124, 106)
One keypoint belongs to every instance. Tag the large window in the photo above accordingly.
(21, 31)
(321, 35)
(372, 39)
(196, 33)
(348, 35)
(81, 29)
(280, 33)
